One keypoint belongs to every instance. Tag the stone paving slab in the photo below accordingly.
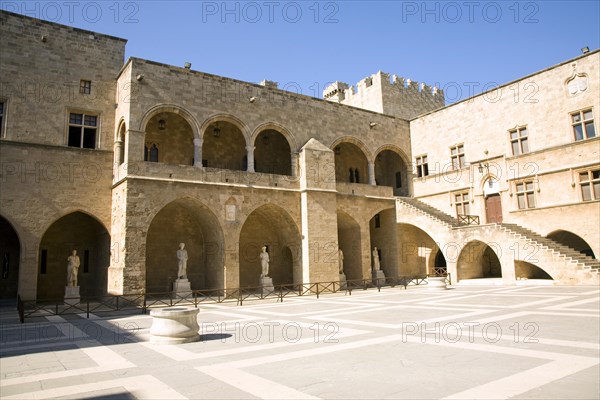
(467, 342)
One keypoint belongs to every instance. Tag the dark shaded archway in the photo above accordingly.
(416, 250)
(349, 241)
(75, 231)
(525, 270)
(10, 253)
(351, 164)
(390, 170)
(272, 153)
(224, 147)
(270, 225)
(439, 264)
(169, 139)
(573, 241)
(478, 260)
(185, 221)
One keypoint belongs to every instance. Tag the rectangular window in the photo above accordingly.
(461, 200)
(82, 130)
(85, 87)
(583, 124)
(525, 195)
(43, 261)
(457, 155)
(519, 141)
(422, 166)
(589, 181)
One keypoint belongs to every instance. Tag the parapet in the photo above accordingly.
(397, 96)
(269, 84)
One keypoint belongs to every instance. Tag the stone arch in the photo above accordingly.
(526, 270)
(485, 181)
(352, 160)
(279, 128)
(272, 150)
(391, 169)
(121, 129)
(478, 260)
(174, 109)
(10, 257)
(417, 250)
(572, 240)
(272, 226)
(87, 235)
(169, 139)
(120, 140)
(350, 242)
(227, 146)
(230, 119)
(357, 142)
(184, 220)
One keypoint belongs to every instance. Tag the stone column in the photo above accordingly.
(318, 207)
(295, 158)
(197, 152)
(372, 173)
(250, 150)
(118, 152)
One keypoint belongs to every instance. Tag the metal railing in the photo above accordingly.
(140, 303)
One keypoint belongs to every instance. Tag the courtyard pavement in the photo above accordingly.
(529, 342)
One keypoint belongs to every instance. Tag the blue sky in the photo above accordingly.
(303, 45)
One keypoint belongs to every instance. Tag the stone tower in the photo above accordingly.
(397, 96)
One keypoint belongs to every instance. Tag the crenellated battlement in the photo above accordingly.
(395, 95)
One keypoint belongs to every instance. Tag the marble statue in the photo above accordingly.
(376, 266)
(264, 262)
(73, 268)
(182, 257)
(341, 260)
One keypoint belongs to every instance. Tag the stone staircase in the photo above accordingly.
(586, 262)
(431, 212)
(557, 252)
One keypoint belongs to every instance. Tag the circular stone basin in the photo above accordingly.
(174, 325)
(437, 283)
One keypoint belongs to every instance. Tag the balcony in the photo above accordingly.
(361, 189)
(192, 174)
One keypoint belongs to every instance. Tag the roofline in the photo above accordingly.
(283, 92)
(12, 14)
(507, 84)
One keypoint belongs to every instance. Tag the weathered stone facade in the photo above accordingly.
(226, 167)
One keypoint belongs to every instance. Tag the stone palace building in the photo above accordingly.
(123, 160)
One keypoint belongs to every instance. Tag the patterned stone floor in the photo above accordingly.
(468, 342)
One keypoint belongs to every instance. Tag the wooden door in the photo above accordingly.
(493, 209)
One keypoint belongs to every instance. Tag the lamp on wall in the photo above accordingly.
(216, 130)
(162, 124)
(337, 150)
(485, 165)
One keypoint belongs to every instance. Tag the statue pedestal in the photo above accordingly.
(343, 281)
(72, 297)
(378, 278)
(266, 286)
(182, 288)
